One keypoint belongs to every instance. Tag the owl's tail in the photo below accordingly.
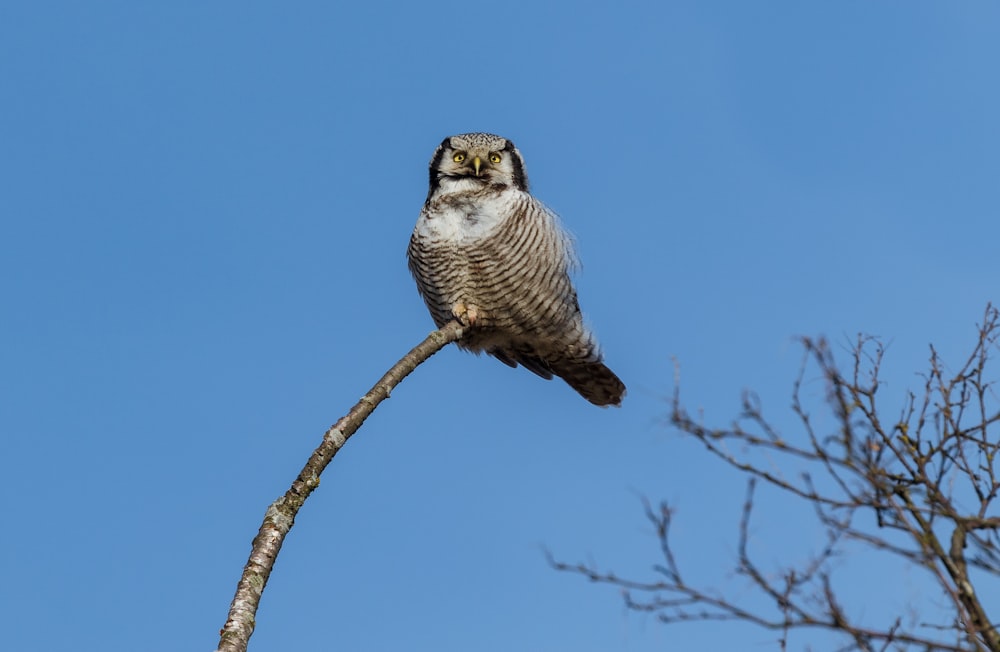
(589, 377)
(594, 381)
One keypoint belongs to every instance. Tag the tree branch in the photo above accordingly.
(280, 516)
(921, 487)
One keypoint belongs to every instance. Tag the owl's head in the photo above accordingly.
(477, 159)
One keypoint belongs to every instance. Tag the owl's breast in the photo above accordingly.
(463, 218)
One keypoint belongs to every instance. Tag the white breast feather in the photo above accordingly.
(465, 222)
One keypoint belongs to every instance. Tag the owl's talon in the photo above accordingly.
(465, 314)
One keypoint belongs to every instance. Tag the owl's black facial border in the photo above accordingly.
(520, 178)
(436, 161)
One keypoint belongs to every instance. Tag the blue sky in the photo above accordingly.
(204, 209)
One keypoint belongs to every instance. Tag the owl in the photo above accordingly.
(486, 252)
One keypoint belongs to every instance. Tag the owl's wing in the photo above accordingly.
(530, 362)
(560, 344)
(545, 253)
(564, 240)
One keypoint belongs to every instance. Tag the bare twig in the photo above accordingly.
(920, 487)
(280, 516)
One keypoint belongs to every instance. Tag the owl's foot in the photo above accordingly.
(465, 314)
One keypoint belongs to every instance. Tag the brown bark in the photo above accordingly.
(280, 516)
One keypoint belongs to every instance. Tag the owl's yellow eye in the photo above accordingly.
(494, 158)
(458, 157)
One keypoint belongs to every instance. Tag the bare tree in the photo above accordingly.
(917, 485)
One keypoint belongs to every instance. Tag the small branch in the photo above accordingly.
(896, 486)
(280, 516)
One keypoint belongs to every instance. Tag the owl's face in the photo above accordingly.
(477, 159)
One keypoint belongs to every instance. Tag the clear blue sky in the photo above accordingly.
(204, 208)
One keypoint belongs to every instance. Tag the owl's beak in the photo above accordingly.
(477, 163)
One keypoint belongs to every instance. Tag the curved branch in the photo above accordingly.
(280, 516)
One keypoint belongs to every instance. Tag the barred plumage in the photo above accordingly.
(487, 252)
